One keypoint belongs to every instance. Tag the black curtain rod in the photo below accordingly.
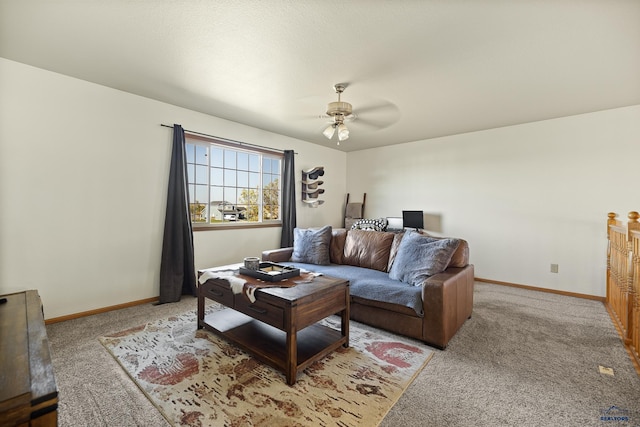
(227, 140)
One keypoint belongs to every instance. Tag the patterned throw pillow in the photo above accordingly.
(311, 245)
(420, 257)
(379, 224)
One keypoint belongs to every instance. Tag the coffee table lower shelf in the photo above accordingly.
(269, 344)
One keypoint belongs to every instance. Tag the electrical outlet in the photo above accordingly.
(554, 268)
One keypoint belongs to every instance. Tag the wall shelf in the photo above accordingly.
(311, 186)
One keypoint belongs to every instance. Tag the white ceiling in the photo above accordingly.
(415, 69)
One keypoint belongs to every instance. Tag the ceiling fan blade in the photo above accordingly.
(379, 107)
(374, 124)
(378, 115)
(314, 117)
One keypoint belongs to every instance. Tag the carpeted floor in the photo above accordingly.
(525, 358)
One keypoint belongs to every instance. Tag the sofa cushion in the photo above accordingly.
(311, 245)
(368, 249)
(374, 285)
(421, 256)
(397, 238)
(336, 250)
(460, 257)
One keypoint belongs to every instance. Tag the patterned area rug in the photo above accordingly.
(197, 379)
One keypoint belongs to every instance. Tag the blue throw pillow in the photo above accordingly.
(421, 256)
(311, 245)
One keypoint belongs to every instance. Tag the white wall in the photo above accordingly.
(83, 177)
(83, 172)
(524, 196)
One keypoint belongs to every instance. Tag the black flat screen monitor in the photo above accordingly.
(413, 219)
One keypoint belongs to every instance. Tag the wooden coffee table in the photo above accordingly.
(281, 327)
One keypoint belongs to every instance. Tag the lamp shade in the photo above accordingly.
(343, 132)
(329, 131)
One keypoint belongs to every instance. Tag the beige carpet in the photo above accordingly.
(197, 379)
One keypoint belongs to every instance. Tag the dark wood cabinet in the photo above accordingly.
(28, 391)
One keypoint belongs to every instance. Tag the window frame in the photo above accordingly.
(239, 147)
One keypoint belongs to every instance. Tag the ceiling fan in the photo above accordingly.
(339, 111)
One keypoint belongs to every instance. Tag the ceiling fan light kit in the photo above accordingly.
(339, 111)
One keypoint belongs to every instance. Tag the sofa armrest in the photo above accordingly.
(447, 300)
(277, 255)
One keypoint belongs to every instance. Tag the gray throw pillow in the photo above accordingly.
(421, 256)
(311, 245)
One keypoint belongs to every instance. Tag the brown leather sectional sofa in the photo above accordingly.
(444, 301)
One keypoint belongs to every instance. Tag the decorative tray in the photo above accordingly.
(271, 272)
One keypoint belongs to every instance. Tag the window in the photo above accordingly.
(232, 183)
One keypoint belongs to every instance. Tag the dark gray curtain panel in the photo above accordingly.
(177, 270)
(288, 207)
